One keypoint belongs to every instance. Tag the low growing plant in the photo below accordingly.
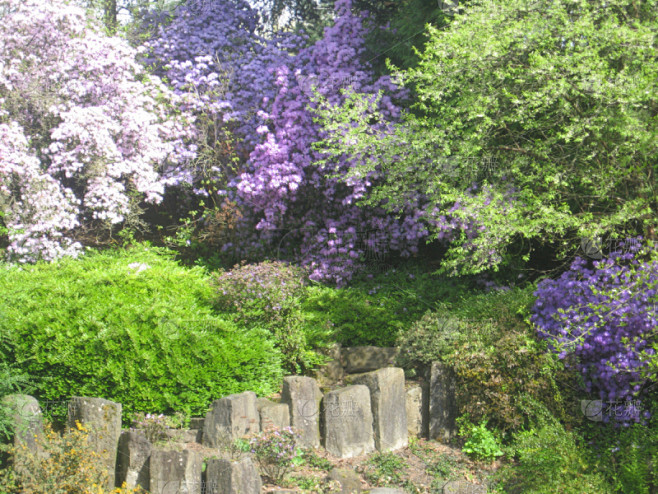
(385, 470)
(548, 459)
(481, 443)
(61, 464)
(277, 452)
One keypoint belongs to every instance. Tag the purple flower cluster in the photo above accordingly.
(288, 191)
(606, 317)
(261, 91)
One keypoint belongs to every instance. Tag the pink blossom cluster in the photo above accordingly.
(85, 130)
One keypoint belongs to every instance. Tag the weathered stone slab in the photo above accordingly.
(182, 435)
(463, 487)
(196, 423)
(349, 480)
(418, 410)
(332, 371)
(348, 421)
(388, 403)
(232, 477)
(443, 405)
(234, 415)
(103, 419)
(175, 472)
(386, 490)
(367, 358)
(302, 394)
(133, 460)
(273, 415)
(26, 419)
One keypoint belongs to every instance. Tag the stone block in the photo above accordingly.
(175, 472)
(332, 371)
(182, 435)
(418, 409)
(103, 419)
(196, 423)
(133, 460)
(386, 490)
(358, 359)
(388, 403)
(224, 476)
(302, 394)
(26, 419)
(349, 480)
(273, 415)
(463, 487)
(233, 416)
(442, 403)
(348, 422)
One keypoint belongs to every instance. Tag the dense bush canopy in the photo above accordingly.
(534, 121)
(134, 327)
(85, 131)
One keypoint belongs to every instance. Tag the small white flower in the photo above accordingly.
(138, 266)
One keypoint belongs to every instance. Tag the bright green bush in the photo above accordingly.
(355, 316)
(131, 326)
(481, 443)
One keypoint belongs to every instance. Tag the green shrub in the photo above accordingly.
(499, 363)
(132, 326)
(627, 456)
(480, 443)
(550, 459)
(356, 317)
(268, 294)
(428, 340)
(375, 309)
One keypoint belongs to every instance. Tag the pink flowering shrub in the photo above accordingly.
(86, 133)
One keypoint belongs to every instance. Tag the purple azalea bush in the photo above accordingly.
(85, 132)
(284, 185)
(606, 317)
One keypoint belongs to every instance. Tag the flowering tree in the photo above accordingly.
(253, 98)
(86, 133)
(289, 185)
(547, 106)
